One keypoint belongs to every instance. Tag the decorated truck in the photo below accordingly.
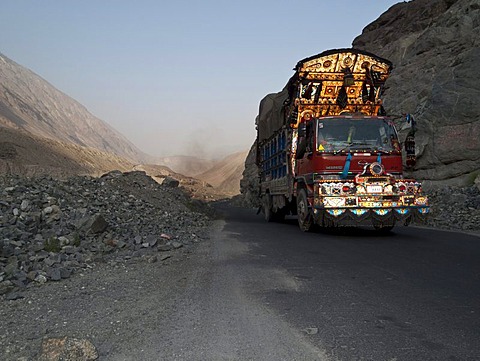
(327, 152)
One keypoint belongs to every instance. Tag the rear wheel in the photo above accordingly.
(305, 219)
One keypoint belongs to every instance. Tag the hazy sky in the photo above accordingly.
(177, 77)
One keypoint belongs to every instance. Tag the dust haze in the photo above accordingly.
(211, 143)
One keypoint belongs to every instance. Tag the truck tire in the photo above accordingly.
(305, 219)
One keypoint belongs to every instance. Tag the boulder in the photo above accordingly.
(97, 224)
(66, 348)
(170, 182)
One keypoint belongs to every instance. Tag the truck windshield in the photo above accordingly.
(346, 134)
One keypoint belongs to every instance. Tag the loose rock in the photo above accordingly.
(72, 349)
(50, 229)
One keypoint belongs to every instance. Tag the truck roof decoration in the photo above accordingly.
(340, 81)
(335, 82)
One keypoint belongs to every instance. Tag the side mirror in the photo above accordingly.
(301, 148)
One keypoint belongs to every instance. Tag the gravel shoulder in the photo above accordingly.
(114, 305)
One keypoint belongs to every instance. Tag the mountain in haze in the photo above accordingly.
(43, 131)
(30, 103)
(186, 165)
(25, 154)
(225, 175)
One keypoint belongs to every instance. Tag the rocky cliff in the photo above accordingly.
(30, 103)
(435, 48)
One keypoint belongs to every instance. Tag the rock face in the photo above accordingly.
(455, 208)
(30, 103)
(435, 48)
(250, 182)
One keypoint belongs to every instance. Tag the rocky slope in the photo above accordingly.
(435, 48)
(50, 229)
(30, 103)
(43, 131)
(22, 153)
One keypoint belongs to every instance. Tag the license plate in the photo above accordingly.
(374, 189)
(371, 204)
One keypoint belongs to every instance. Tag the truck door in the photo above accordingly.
(304, 163)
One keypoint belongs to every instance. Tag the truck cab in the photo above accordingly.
(326, 142)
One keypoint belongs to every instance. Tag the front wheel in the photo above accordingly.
(305, 219)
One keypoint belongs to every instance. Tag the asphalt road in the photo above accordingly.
(410, 295)
(266, 291)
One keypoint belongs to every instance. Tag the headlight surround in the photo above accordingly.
(376, 168)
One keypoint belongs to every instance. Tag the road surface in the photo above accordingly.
(266, 291)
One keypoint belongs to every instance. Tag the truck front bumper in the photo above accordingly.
(367, 210)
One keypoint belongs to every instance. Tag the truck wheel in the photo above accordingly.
(305, 220)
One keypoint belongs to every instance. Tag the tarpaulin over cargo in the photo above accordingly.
(271, 115)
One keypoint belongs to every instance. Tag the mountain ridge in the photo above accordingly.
(31, 103)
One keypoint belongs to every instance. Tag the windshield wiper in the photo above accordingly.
(370, 148)
(343, 149)
(381, 151)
